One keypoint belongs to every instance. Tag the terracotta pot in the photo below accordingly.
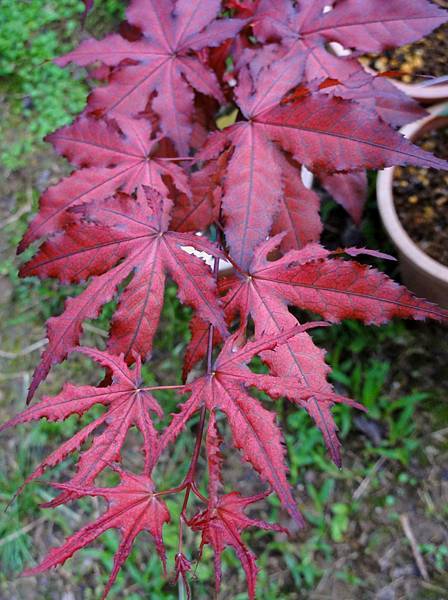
(422, 274)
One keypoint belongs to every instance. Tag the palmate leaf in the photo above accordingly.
(334, 288)
(375, 26)
(372, 26)
(128, 405)
(109, 241)
(110, 157)
(325, 134)
(164, 61)
(335, 75)
(373, 92)
(253, 428)
(133, 507)
(221, 525)
(367, 27)
(303, 32)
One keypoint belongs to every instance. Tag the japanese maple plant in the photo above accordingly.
(161, 188)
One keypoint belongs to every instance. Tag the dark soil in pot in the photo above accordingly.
(427, 57)
(421, 199)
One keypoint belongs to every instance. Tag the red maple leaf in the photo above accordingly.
(253, 428)
(128, 405)
(113, 157)
(305, 28)
(372, 26)
(333, 75)
(133, 507)
(223, 521)
(332, 287)
(221, 525)
(109, 241)
(164, 61)
(370, 91)
(325, 134)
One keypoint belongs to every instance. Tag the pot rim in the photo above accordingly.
(389, 215)
(422, 92)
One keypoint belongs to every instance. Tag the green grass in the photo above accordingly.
(36, 96)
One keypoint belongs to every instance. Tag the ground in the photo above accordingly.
(378, 528)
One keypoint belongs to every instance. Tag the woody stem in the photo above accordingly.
(189, 482)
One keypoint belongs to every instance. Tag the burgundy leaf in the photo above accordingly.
(127, 405)
(113, 239)
(325, 134)
(221, 525)
(114, 157)
(253, 428)
(133, 507)
(375, 26)
(164, 61)
(304, 33)
(203, 129)
(364, 26)
(336, 289)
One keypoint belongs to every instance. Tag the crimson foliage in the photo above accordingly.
(152, 170)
